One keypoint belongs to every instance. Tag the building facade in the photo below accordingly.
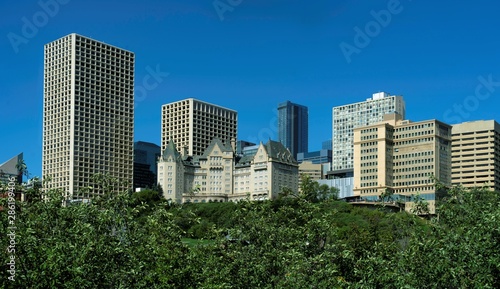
(314, 171)
(218, 175)
(192, 124)
(293, 127)
(402, 156)
(88, 117)
(476, 154)
(241, 145)
(326, 145)
(318, 157)
(346, 118)
(145, 170)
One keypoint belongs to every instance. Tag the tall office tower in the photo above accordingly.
(476, 154)
(293, 127)
(192, 124)
(146, 155)
(326, 145)
(88, 119)
(401, 156)
(348, 117)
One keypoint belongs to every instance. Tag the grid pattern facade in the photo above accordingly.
(421, 150)
(293, 127)
(88, 113)
(476, 154)
(402, 156)
(348, 117)
(192, 124)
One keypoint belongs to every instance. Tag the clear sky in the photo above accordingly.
(250, 55)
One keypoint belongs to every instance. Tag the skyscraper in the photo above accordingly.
(293, 130)
(192, 124)
(146, 155)
(348, 117)
(88, 114)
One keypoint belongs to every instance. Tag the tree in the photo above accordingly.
(313, 192)
(92, 245)
(420, 206)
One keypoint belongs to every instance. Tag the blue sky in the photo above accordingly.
(249, 55)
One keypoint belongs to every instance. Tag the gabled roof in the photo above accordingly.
(216, 142)
(277, 151)
(170, 150)
(10, 166)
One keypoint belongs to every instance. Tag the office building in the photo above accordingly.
(401, 156)
(146, 155)
(326, 145)
(241, 145)
(250, 150)
(88, 115)
(317, 157)
(348, 117)
(314, 171)
(344, 185)
(476, 154)
(192, 124)
(293, 130)
(219, 176)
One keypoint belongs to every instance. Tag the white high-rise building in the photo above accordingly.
(193, 124)
(88, 115)
(348, 117)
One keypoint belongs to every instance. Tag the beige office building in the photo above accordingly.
(476, 154)
(314, 171)
(88, 114)
(401, 156)
(192, 124)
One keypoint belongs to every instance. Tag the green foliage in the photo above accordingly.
(311, 191)
(123, 240)
(96, 245)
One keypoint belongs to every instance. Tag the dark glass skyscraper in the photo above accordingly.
(293, 130)
(145, 170)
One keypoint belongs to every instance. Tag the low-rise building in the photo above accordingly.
(314, 171)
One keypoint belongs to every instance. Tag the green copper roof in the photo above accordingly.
(170, 150)
(277, 151)
(217, 142)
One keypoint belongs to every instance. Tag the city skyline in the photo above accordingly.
(257, 54)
